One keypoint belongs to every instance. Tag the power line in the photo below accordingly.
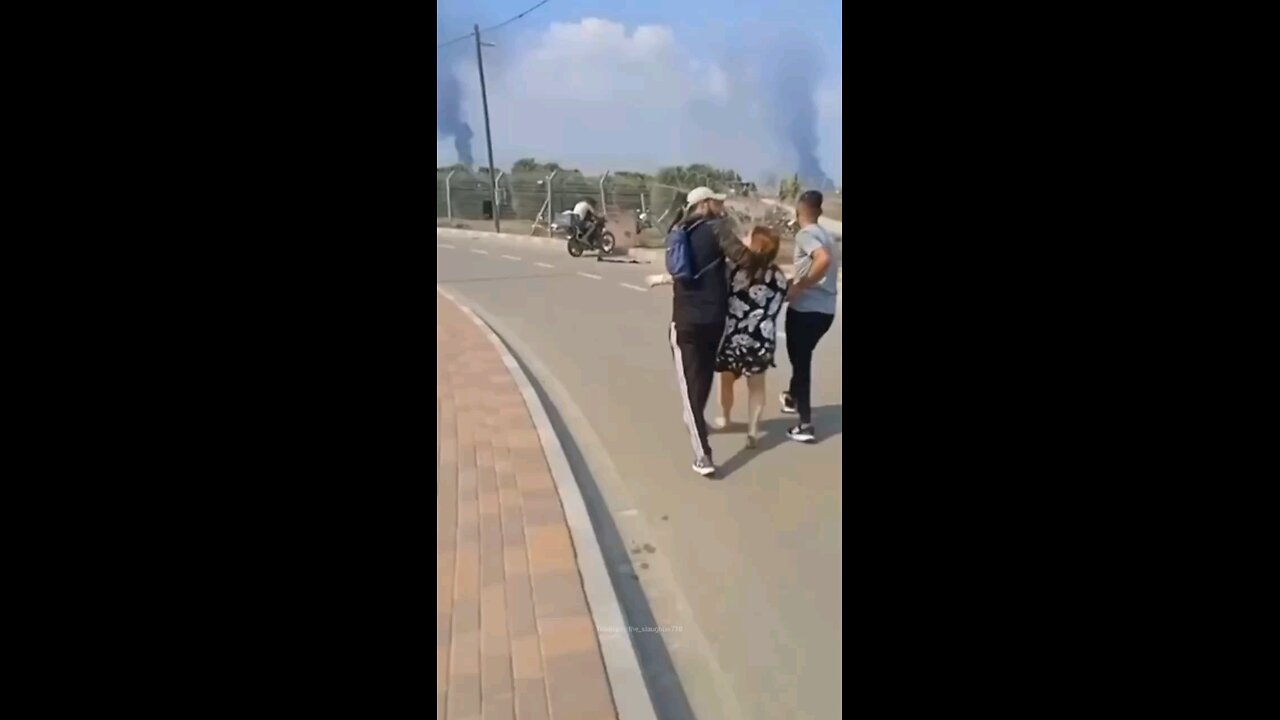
(526, 12)
(494, 27)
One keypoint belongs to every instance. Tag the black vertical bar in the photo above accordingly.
(488, 138)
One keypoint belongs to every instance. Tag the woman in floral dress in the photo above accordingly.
(757, 290)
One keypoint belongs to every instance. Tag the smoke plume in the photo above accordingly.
(449, 122)
(455, 18)
(791, 74)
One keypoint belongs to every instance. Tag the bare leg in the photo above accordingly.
(726, 399)
(755, 406)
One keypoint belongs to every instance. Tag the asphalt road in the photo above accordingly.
(742, 573)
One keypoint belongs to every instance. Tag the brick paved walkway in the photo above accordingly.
(514, 635)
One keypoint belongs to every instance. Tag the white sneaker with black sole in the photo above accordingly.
(704, 467)
(801, 433)
(788, 405)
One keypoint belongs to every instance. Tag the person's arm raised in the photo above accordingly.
(734, 250)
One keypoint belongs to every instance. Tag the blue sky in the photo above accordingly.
(594, 93)
(690, 19)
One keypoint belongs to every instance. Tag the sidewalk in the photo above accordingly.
(514, 634)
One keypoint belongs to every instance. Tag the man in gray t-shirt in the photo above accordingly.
(811, 310)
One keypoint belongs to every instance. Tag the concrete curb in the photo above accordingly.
(641, 254)
(626, 680)
(482, 234)
(833, 226)
(649, 255)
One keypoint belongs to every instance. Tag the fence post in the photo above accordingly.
(448, 193)
(604, 208)
(551, 213)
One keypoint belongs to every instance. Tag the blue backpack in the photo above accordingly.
(680, 254)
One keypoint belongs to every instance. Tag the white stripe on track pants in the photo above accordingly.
(694, 349)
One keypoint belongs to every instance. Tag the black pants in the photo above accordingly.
(804, 330)
(694, 349)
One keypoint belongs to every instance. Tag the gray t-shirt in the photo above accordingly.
(822, 296)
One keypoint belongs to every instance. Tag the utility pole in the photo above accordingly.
(488, 137)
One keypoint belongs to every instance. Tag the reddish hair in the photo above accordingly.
(764, 248)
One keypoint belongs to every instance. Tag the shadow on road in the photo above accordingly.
(828, 419)
(661, 680)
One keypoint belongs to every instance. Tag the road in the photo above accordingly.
(741, 573)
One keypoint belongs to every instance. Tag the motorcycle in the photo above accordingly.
(644, 221)
(572, 228)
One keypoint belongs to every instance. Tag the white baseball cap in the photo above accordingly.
(699, 194)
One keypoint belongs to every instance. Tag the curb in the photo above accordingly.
(649, 255)
(641, 254)
(459, 233)
(626, 680)
(833, 226)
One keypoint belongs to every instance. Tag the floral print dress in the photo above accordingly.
(751, 330)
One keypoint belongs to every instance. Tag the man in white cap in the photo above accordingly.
(698, 311)
(694, 200)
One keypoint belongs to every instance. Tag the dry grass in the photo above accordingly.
(833, 207)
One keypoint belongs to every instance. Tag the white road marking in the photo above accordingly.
(480, 252)
(629, 513)
(593, 277)
(543, 265)
(633, 287)
(443, 245)
(510, 257)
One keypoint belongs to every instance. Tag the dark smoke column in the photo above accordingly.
(792, 80)
(449, 121)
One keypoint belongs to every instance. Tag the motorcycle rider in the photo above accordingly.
(589, 221)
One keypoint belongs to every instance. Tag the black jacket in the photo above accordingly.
(705, 300)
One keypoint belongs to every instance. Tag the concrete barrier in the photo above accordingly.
(460, 233)
(835, 227)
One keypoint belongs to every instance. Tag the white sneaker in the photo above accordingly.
(802, 433)
(788, 404)
(720, 423)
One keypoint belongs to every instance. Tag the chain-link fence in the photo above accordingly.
(468, 195)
